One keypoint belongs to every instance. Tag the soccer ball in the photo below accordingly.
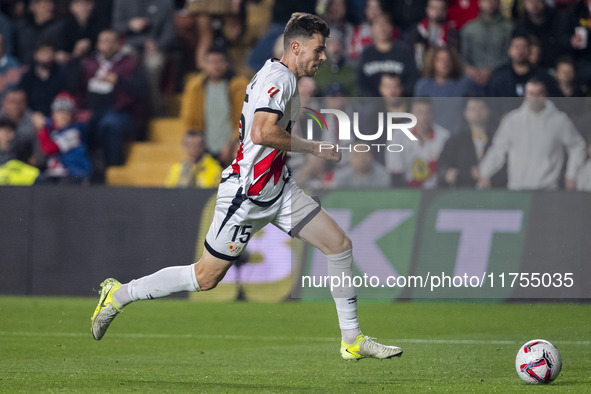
(538, 362)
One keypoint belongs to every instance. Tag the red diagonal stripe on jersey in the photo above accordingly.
(239, 156)
(269, 167)
(273, 91)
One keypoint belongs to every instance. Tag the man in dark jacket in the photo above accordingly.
(458, 162)
(112, 86)
(509, 80)
(40, 24)
(44, 80)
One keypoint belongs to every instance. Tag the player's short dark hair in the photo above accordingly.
(303, 25)
(7, 123)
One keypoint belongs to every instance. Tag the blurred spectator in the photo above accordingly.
(443, 78)
(434, 30)
(308, 91)
(535, 51)
(509, 80)
(228, 153)
(392, 91)
(460, 12)
(541, 21)
(361, 36)
(14, 106)
(198, 168)
(458, 163)
(81, 30)
(578, 24)
(566, 77)
(112, 86)
(6, 30)
(148, 28)
(45, 79)
(282, 11)
(315, 173)
(12, 170)
(218, 22)
(7, 136)
(14, 9)
(532, 140)
(405, 14)
(584, 175)
(40, 24)
(385, 55)
(362, 173)
(336, 68)
(416, 165)
(485, 41)
(335, 15)
(212, 102)
(10, 71)
(391, 100)
(62, 141)
(335, 98)
(569, 88)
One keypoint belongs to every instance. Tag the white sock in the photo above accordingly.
(160, 284)
(345, 297)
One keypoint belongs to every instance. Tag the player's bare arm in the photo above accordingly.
(266, 132)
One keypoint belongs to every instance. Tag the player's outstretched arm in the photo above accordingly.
(266, 132)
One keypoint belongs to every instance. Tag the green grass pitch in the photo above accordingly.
(178, 346)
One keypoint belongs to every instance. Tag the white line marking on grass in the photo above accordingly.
(278, 338)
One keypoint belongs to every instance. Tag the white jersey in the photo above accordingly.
(261, 170)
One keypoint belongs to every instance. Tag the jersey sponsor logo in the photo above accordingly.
(234, 249)
(273, 91)
(266, 169)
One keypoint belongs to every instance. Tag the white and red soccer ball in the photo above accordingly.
(538, 362)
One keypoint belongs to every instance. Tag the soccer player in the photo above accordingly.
(256, 189)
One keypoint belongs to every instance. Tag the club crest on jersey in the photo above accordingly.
(234, 249)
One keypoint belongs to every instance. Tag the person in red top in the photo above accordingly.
(61, 140)
(434, 30)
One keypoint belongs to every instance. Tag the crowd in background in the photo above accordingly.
(81, 79)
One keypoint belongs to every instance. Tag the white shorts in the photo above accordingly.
(237, 218)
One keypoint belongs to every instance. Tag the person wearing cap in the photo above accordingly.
(62, 141)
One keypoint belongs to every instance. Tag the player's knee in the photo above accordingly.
(341, 245)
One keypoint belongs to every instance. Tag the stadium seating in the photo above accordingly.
(148, 162)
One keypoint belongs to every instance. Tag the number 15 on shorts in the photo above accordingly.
(242, 233)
